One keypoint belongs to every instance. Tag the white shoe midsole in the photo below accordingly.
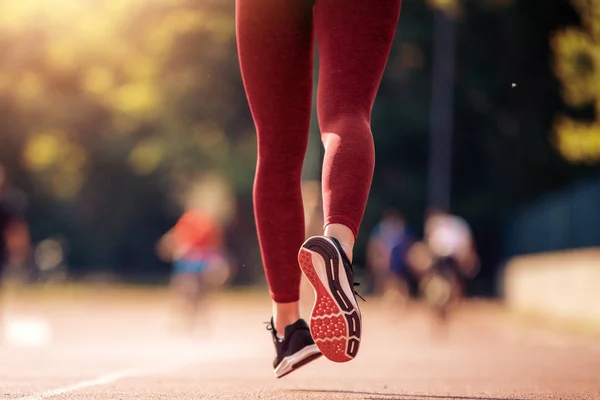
(287, 364)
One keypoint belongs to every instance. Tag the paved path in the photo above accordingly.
(117, 347)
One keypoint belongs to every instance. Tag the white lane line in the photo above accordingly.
(201, 357)
(102, 380)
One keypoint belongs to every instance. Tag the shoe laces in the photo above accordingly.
(271, 328)
(356, 293)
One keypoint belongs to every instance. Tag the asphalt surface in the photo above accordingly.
(118, 346)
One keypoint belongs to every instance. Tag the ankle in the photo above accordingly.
(285, 314)
(348, 250)
(344, 235)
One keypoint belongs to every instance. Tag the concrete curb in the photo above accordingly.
(561, 288)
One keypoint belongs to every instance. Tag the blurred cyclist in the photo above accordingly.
(195, 247)
(453, 255)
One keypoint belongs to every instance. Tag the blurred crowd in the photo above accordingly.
(435, 266)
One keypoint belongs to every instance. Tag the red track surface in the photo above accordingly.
(113, 348)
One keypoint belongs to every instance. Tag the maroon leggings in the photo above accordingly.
(275, 47)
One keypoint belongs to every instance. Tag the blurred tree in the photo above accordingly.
(115, 101)
(133, 73)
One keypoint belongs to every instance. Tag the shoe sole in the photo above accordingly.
(335, 321)
(297, 360)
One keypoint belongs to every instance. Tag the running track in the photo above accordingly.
(116, 346)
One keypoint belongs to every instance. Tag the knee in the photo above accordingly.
(346, 129)
(346, 123)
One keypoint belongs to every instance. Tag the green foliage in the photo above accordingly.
(577, 65)
(111, 107)
(144, 79)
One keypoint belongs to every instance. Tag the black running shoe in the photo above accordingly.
(335, 320)
(297, 348)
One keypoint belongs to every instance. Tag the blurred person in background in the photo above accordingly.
(195, 245)
(453, 258)
(195, 248)
(389, 234)
(14, 231)
(275, 46)
(397, 290)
